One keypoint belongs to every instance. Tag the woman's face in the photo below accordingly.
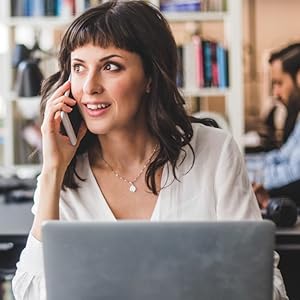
(108, 85)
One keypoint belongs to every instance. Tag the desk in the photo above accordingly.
(16, 221)
(15, 224)
(288, 247)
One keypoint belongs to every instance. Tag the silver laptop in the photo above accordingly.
(140, 260)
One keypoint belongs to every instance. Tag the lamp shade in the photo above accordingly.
(29, 78)
(20, 53)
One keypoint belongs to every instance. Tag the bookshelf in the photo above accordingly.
(13, 108)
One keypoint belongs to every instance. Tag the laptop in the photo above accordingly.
(141, 260)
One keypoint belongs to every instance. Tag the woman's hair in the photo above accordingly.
(137, 27)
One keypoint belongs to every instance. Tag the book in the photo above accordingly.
(66, 8)
(37, 8)
(199, 60)
(180, 5)
(17, 8)
(189, 66)
(214, 64)
(206, 46)
(222, 61)
(50, 7)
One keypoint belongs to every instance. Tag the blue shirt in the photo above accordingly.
(278, 167)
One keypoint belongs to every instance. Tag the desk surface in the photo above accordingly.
(295, 230)
(15, 219)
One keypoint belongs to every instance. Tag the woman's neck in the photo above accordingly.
(120, 152)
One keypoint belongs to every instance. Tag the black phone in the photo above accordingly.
(70, 124)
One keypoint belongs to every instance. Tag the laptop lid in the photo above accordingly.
(140, 260)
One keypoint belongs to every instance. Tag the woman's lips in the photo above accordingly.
(96, 109)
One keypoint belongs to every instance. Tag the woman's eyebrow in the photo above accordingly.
(102, 59)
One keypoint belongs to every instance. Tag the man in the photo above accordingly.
(283, 76)
(277, 173)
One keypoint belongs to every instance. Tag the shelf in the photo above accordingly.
(196, 16)
(18, 110)
(43, 21)
(29, 107)
(205, 92)
(63, 21)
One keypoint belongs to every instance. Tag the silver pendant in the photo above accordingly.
(132, 188)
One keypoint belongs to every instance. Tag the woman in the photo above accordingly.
(137, 154)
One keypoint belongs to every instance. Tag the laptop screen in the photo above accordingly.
(136, 260)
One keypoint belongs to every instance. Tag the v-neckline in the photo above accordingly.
(155, 212)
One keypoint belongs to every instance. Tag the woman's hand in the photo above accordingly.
(262, 195)
(57, 149)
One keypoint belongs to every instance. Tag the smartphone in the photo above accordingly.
(68, 127)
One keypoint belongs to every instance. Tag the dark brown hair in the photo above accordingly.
(290, 58)
(137, 27)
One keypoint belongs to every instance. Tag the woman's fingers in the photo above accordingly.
(61, 90)
(59, 102)
(56, 103)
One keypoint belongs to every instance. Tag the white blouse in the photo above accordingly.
(216, 188)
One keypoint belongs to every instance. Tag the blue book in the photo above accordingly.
(180, 5)
(222, 60)
(207, 63)
(26, 8)
(37, 8)
(50, 7)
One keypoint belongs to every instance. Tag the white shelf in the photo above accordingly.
(195, 16)
(37, 21)
(234, 95)
(205, 92)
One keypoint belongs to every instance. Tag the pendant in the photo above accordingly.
(132, 188)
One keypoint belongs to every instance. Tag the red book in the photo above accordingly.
(199, 61)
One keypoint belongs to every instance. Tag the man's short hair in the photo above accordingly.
(290, 58)
(280, 53)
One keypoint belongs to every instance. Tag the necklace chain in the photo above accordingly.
(132, 187)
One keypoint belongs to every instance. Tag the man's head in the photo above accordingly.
(285, 67)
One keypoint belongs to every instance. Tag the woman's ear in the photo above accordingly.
(148, 86)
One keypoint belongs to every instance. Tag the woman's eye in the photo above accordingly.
(111, 67)
(77, 68)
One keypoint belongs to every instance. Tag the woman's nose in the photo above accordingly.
(92, 84)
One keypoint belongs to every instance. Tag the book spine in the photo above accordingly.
(180, 5)
(17, 8)
(214, 64)
(50, 7)
(66, 8)
(37, 8)
(189, 67)
(199, 61)
(26, 8)
(207, 64)
(221, 66)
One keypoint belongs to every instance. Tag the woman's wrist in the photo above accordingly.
(52, 174)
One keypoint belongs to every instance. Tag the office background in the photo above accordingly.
(244, 31)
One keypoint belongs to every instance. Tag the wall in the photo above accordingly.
(268, 25)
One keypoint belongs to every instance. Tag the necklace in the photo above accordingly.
(132, 187)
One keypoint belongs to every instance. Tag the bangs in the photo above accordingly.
(103, 32)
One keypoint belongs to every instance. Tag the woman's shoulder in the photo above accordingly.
(208, 135)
